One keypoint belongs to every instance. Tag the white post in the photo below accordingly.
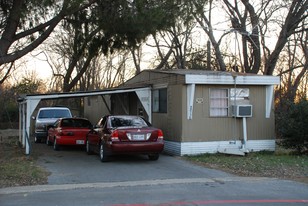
(23, 124)
(27, 130)
(146, 101)
(190, 100)
(27, 127)
(269, 100)
(244, 133)
(20, 123)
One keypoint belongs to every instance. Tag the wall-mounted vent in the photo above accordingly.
(241, 110)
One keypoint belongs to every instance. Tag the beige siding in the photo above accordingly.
(170, 122)
(95, 108)
(202, 128)
(153, 77)
(205, 128)
(260, 127)
(175, 112)
(159, 120)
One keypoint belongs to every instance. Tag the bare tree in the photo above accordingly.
(250, 39)
(297, 13)
(288, 58)
(175, 44)
(136, 53)
(164, 51)
(251, 21)
(293, 66)
(206, 24)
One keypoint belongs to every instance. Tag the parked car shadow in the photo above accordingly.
(78, 151)
(127, 158)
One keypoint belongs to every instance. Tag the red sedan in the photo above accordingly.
(68, 131)
(124, 135)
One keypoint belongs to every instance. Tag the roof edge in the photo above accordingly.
(231, 79)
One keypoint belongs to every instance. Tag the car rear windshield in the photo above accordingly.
(54, 113)
(127, 122)
(80, 123)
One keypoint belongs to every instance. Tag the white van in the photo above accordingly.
(46, 117)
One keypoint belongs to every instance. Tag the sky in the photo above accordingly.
(39, 65)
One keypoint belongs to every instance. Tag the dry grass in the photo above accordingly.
(280, 164)
(16, 169)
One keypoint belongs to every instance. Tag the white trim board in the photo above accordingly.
(229, 79)
(194, 148)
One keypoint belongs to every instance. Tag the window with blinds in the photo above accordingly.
(219, 102)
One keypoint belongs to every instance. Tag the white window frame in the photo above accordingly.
(219, 103)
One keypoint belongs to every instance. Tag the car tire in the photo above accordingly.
(88, 149)
(55, 145)
(153, 157)
(102, 153)
(36, 140)
(47, 141)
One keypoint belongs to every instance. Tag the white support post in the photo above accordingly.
(269, 100)
(145, 98)
(244, 134)
(27, 131)
(20, 123)
(31, 105)
(24, 115)
(190, 100)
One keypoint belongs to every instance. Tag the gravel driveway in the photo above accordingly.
(73, 165)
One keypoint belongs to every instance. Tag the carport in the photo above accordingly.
(28, 103)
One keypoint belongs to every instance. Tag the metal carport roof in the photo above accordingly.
(28, 103)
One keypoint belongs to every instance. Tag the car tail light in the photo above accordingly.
(160, 135)
(115, 135)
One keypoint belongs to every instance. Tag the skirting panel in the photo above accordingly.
(194, 148)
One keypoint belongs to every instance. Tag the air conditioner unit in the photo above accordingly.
(241, 110)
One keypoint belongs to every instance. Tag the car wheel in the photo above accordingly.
(102, 153)
(36, 140)
(55, 145)
(88, 149)
(47, 141)
(153, 157)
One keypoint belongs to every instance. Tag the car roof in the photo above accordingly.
(123, 116)
(74, 118)
(55, 108)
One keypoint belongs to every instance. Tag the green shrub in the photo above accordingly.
(292, 126)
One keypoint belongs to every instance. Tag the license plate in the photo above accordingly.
(79, 141)
(138, 137)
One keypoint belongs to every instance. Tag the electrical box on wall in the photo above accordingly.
(241, 110)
